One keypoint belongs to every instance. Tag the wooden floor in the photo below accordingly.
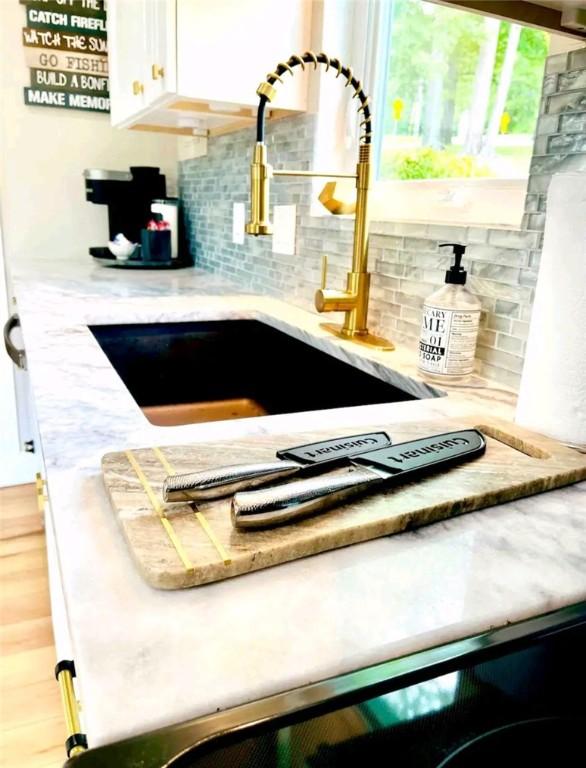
(32, 731)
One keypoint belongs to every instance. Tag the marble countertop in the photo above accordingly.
(147, 658)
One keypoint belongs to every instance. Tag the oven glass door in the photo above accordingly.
(523, 708)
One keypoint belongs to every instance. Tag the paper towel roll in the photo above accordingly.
(552, 396)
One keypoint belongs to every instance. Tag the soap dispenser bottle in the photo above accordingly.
(449, 327)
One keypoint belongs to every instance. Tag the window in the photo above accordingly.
(462, 94)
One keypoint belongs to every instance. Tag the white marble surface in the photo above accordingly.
(147, 658)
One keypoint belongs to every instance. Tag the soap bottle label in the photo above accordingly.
(448, 340)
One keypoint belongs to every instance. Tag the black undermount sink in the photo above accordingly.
(185, 373)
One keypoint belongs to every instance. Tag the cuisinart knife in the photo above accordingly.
(302, 459)
(372, 471)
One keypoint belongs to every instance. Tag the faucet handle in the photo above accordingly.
(324, 271)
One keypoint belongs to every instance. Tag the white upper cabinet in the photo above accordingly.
(127, 50)
(178, 64)
(161, 76)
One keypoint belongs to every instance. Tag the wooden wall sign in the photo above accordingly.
(87, 7)
(76, 82)
(39, 18)
(65, 44)
(44, 98)
(74, 42)
(66, 62)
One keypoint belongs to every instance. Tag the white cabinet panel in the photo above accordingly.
(161, 61)
(128, 45)
(226, 47)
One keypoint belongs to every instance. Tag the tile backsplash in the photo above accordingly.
(405, 259)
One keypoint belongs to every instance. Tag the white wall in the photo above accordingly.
(42, 157)
(43, 152)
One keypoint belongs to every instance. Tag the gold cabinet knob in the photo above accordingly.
(157, 71)
(137, 87)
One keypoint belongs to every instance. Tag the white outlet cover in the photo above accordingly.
(284, 223)
(238, 223)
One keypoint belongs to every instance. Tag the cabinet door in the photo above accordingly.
(226, 47)
(161, 71)
(128, 55)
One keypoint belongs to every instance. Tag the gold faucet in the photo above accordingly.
(353, 301)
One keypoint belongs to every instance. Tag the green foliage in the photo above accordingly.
(428, 163)
(424, 39)
(431, 43)
(525, 91)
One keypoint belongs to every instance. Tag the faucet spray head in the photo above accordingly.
(260, 173)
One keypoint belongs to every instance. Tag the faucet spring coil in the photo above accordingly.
(309, 57)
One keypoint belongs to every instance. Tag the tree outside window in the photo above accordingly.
(463, 94)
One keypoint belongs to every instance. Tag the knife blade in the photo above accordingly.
(307, 459)
(372, 471)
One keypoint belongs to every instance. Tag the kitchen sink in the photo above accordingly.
(187, 373)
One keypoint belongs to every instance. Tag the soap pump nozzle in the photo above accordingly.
(456, 274)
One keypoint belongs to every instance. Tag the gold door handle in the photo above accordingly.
(157, 71)
(324, 272)
(137, 87)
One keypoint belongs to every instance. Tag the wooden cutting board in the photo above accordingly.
(181, 545)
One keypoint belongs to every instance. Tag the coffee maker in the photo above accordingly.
(128, 195)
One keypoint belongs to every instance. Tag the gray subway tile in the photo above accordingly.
(497, 323)
(509, 343)
(411, 229)
(535, 221)
(507, 360)
(547, 124)
(556, 64)
(446, 233)
(487, 338)
(551, 164)
(539, 184)
(417, 288)
(569, 142)
(571, 81)
(391, 270)
(528, 277)
(507, 308)
(476, 235)
(511, 257)
(566, 102)
(420, 244)
(511, 238)
(550, 84)
(520, 328)
(409, 299)
(541, 145)
(508, 378)
(411, 330)
(411, 315)
(496, 272)
(577, 59)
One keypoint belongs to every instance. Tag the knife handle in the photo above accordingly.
(224, 481)
(286, 503)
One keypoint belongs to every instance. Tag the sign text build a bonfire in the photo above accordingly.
(66, 52)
